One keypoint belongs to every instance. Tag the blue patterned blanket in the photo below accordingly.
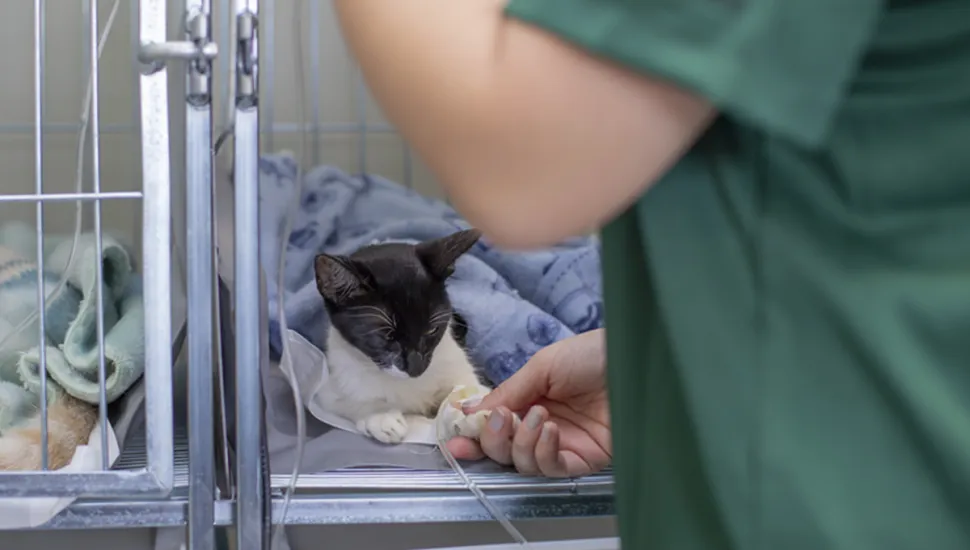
(515, 303)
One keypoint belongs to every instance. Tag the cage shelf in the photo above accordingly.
(348, 498)
(406, 496)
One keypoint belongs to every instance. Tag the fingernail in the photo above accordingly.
(534, 418)
(495, 421)
(546, 434)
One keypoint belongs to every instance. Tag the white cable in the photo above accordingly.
(286, 359)
(78, 183)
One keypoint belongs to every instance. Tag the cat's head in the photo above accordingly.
(389, 300)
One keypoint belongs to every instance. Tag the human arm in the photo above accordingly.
(532, 138)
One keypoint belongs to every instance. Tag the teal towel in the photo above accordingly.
(71, 321)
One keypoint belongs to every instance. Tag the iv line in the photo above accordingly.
(473, 487)
(286, 359)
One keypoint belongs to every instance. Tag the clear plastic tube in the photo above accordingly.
(489, 506)
(286, 359)
(78, 183)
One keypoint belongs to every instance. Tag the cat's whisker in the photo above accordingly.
(378, 312)
(385, 330)
(389, 325)
(376, 309)
(441, 316)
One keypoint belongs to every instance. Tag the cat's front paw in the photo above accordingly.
(470, 426)
(390, 427)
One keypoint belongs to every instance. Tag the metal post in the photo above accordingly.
(362, 99)
(39, 50)
(314, 80)
(199, 260)
(250, 526)
(95, 126)
(268, 86)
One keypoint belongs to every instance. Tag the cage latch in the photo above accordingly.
(247, 56)
(198, 51)
(199, 76)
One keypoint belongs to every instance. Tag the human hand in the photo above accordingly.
(566, 428)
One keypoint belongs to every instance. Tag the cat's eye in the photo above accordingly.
(434, 331)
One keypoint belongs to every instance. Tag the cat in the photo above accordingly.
(395, 347)
(69, 424)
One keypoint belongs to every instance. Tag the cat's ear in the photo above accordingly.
(337, 280)
(439, 256)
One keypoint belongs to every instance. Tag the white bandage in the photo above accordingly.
(451, 420)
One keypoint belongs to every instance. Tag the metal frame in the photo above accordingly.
(200, 269)
(250, 524)
(156, 478)
(197, 51)
(404, 496)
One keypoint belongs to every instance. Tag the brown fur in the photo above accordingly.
(69, 422)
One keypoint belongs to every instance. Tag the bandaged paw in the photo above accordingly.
(452, 420)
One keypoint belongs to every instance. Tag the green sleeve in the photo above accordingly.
(781, 65)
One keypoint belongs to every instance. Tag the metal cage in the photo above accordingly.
(198, 456)
(155, 476)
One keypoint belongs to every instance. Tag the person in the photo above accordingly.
(784, 195)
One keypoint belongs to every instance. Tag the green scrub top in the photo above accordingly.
(788, 309)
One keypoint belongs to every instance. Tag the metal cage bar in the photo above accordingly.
(250, 511)
(200, 275)
(98, 229)
(39, 47)
(157, 253)
(224, 33)
(315, 78)
(362, 97)
(267, 86)
(156, 478)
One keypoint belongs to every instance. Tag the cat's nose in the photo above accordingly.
(415, 364)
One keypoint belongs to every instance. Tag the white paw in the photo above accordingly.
(389, 427)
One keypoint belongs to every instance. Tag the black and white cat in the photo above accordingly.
(392, 349)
